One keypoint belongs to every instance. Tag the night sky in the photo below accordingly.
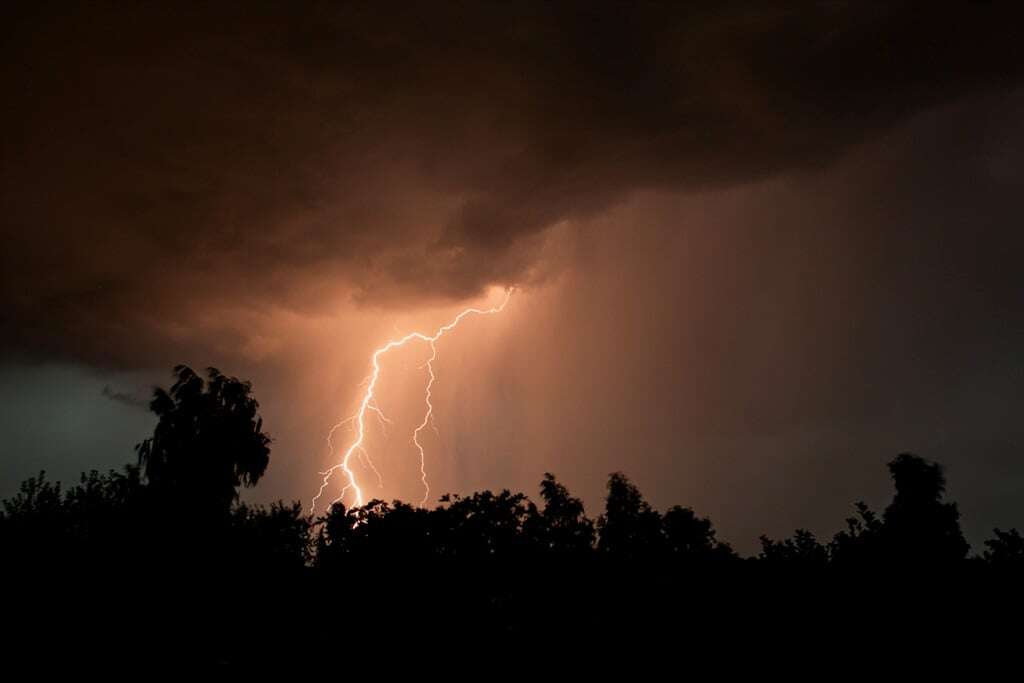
(759, 248)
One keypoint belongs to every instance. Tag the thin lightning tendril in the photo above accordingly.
(382, 418)
(364, 458)
(368, 403)
(427, 417)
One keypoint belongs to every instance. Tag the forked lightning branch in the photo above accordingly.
(368, 404)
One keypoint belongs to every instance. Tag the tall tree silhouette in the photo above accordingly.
(562, 526)
(918, 526)
(629, 526)
(208, 441)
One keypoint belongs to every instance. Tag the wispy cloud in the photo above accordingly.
(126, 398)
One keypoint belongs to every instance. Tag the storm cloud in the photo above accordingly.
(171, 170)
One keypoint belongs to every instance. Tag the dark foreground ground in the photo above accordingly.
(389, 617)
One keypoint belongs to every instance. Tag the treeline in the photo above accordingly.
(182, 498)
(119, 517)
(166, 542)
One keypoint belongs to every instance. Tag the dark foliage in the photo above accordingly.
(208, 441)
(803, 551)
(1006, 549)
(629, 527)
(168, 539)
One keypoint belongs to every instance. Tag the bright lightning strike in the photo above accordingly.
(428, 416)
(368, 404)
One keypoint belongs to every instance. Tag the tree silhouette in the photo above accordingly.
(99, 520)
(275, 538)
(33, 524)
(803, 551)
(692, 538)
(483, 525)
(478, 569)
(860, 542)
(918, 527)
(1006, 549)
(629, 526)
(377, 531)
(562, 527)
(208, 441)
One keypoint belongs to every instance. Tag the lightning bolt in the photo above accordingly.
(369, 404)
(428, 416)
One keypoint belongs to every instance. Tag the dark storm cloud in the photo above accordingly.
(166, 165)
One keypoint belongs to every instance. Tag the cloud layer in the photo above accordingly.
(169, 170)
